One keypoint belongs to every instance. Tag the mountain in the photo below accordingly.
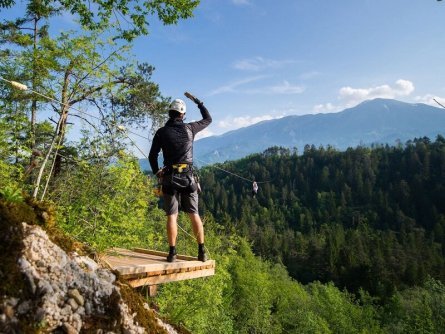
(373, 121)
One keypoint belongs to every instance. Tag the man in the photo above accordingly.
(179, 186)
(254, 189)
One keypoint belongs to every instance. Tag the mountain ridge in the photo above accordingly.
(370, 122)
(377, 121)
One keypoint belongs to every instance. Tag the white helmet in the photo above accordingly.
(178, 105)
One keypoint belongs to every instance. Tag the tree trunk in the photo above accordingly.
(63, 120)
(32, 134)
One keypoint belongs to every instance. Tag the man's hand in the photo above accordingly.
(191, 97)
(160, 173)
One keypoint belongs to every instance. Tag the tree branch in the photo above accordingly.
(88, 93)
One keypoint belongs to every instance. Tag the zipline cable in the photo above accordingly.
(231, 173)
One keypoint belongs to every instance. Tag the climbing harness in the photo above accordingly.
(180, 167)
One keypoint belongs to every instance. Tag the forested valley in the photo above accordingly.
(367, 218)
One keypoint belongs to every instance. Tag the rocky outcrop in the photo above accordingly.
(70, 293)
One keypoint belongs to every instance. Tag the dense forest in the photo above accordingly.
(371, 218)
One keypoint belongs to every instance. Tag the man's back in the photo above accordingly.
(176, 142)
(175, 139)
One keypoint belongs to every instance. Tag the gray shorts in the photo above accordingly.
(188, 202)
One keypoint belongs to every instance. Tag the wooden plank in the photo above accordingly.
(128, 262)
(171, 278)
(143, 257)
(121, 252)
(164, 254)
(146, 267)
(133, 268)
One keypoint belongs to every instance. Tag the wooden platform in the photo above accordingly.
(145, 267)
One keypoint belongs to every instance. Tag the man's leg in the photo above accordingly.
(198, 229)
(171, 207)
(172, 232)
(172, 229)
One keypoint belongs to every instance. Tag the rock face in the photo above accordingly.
(70, 292)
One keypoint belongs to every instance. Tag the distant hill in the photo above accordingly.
(373, 121)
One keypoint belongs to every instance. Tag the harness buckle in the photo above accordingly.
(179, 167)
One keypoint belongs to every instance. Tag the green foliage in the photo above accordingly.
(10, 173)
(103, 16)
(252, 295)
(199, 305)
(6, 3)
(249, 295)
(75, 67)
(10, 176)
(11, 195)
(106, 204)
(340, 310)
(417, 310)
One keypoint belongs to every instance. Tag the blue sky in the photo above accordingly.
(252, 60)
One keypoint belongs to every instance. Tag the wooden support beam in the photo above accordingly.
(152, 290)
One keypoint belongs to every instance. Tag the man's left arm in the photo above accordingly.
(154, 153)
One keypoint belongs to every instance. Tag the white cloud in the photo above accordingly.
(259, 64)
(236, 87)
(328, 107)
(230, 88)
(353, 96)
(284, 88)
(243, 121)
(204, 133)
(429, 99)
(349, 96)
(241, 2)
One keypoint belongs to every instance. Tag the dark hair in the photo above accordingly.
(174, 114)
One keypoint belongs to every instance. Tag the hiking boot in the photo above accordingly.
(171, 257)
(202, 256)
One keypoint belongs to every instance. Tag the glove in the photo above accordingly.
(191, 97)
